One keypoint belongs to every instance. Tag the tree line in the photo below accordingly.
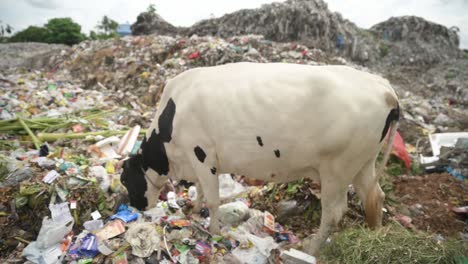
(59, 30)
(63, 31)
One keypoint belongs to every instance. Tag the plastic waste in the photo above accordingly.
(192, 193)
(228, 187)
(143, 238)
(104, 248)
(125, 214)
(259, 253)
(111, 229)
(60, 212)
(52, 232)
(43, 150)
(439, 140)
(101, 175)
(39, 255)
(294, 256)
(93, 225)
(105, 149)
(127, 142)
(88, 247)
(45, 163)
(172, 200)
(155, 213)
(51, 176)
(17, 176)
(233, 213)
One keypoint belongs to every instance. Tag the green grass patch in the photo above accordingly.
(391, 244)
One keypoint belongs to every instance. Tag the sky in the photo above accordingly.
(365, 13)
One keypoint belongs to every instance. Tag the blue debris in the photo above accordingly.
(125, 214)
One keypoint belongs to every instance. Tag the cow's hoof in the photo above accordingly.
(311, 246)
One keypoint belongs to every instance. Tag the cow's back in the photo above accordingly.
(275, 119)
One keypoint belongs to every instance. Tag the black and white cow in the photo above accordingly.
(275, 122)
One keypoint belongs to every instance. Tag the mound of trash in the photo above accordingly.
(62, 199)
(18, 54)
(142, 65)
(414, 40)
(308, 22)
(151, 23)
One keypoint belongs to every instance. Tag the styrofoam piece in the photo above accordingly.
(439, 140)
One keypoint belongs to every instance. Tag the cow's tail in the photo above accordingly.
(388, 148)
(375, 196)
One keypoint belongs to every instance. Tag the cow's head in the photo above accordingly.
(151, 163)
(133, 178)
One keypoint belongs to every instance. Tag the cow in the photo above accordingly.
(276, 122)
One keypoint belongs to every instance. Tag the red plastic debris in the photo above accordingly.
(399, 150)
(404, 220)
(194, 55)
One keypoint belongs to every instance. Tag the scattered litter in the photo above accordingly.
(125, 214)
(96, 215)
(111, 229)
(143, 238)
(51, 176)
(228, 187)
(294, 256)
(93, 225)
(233, 213)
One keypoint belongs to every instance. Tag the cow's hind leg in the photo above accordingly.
(334, 205)
(369, 191)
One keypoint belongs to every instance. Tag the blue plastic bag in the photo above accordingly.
(125, 214)
(86, 248)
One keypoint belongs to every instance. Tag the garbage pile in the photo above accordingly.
(142, 65)
(14, 54)
(450, 154)
(414, 40)
(62, 199)
(308, 22)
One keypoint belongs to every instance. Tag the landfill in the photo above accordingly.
(63, 200)
(65, 126)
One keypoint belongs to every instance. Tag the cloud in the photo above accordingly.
(44, 4)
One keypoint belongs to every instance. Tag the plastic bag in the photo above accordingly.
(233, 213)
(229, 188)
(125, 214)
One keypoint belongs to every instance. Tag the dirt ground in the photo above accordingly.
(430, 199)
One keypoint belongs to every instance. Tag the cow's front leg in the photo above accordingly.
(197, 205)
(154, 186)
(334, 205)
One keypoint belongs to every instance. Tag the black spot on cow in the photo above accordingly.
(153, 149)
(259, 140)
(273, 175)
(277, 153)
(201, 155)
(213, 170)
(394, 115)
(133, 178)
